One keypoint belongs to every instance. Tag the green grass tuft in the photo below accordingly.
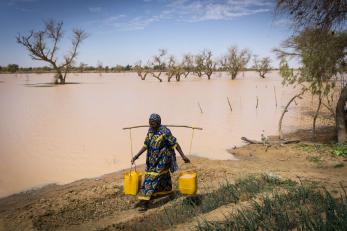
(301, 208)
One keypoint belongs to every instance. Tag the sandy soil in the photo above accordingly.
(93, 204)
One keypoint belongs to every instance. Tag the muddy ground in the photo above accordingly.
(99, 203)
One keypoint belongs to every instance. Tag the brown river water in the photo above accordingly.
(58, 134)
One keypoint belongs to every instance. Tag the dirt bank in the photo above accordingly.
(98, 203)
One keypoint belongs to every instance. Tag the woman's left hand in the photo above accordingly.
(185, 159)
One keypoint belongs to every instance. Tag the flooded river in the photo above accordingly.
(58, 134)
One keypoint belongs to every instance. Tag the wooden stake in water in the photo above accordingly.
(229, 104)
(200, 107)
(275, 96)
(191, 142)
(295, 102)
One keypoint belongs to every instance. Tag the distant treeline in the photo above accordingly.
(14, 68)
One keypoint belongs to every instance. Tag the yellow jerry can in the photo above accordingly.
(188, 183)
(132, 182)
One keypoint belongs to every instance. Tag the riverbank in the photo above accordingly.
(99, 204)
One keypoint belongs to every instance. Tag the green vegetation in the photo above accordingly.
(335, 149)
(235, 61)
(319, 44)
(315, 159)
(272, 204)
(339, 165)
(262, 66)
(339, 149)
(183, 210)
(300, 208)
(12, 68)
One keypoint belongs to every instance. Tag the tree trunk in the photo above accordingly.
(316, 115)
(233, 76)
(59, 78)
(280, 133)
(157, 76)
(341, 116)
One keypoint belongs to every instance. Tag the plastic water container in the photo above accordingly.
(132, 182)
(187, 183)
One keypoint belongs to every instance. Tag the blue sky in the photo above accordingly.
(123, 32)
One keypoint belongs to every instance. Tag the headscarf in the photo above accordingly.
(156, 118)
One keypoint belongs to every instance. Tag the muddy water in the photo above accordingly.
(63, 133)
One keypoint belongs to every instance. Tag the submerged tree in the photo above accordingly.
(262, 66)
(199, 65)
(158, 64)
(208, 63)
(204, 64)
(43, 45)
(187, 64)
(141, 71)
(174, 69)
(320, 43)
(171, 68)
(235, 61)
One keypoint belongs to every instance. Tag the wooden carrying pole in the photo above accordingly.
(146, 126)
(176, 126)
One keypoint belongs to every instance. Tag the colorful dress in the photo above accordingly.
(160, 160)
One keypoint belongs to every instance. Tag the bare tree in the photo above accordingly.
(299, 95)
(171, 68)
(235, 60)
(188, 64)
(209, 64)
(142, 72)
(262, 66)
(199, 65)
(43, 46)
(158, 64)
(174, 69)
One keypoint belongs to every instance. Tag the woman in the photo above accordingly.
(161, 159)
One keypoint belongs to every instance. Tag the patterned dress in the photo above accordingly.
(160, 160)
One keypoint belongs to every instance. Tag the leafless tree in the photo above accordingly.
(199, 65)
(171, 68)
(188, 64)
(235, 60)
(158, 64)
(208, 63)
(174, 69)
(262, 66)
(142, 72)
(43, 45)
